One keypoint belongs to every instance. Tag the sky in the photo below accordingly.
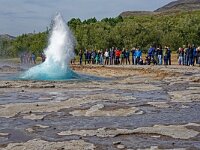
(26, 16)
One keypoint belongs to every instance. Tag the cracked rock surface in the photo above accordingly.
(128, 107)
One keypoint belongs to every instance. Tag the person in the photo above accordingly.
(198, 56)
(93, 55)
(180, 56)
(33, 57)
(101, 57)
(166, 56)
(86, 56)
(127, 56)
(186, 55)
(80, 57)
(169, 55)
(195, 56)
(147, 60)
(111, 55)
(151, 52)
(106, 55)
(140, 61)
(97, 57)
(155, 56)
(117, 55)
(138, 55)
(43, 57)
(190, 55)
(133, 56)
(160, 55)
(122, 55)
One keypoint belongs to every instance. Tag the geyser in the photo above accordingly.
(59, 52)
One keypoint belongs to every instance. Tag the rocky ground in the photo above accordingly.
(127, 107)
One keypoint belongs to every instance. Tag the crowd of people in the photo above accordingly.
(30, 58)
(27, 58)
(189, 55)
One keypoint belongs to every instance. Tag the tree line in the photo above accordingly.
(173, 30)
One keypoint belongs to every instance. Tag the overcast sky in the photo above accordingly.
(25, 16)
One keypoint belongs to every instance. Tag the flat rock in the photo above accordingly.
(120, 146)
(159, 104)
(34, 117)
(96, 111)
(174, 131)
(38, 144)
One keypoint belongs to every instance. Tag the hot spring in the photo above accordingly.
(59, 52)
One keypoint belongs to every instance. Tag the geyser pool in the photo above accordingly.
(59, 52)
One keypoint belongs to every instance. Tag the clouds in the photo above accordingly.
(23, 16)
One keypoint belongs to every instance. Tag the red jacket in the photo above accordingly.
(117, 53)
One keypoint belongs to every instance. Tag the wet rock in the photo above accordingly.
(174, 131)
(38, 144)
(96, 111)
(157, 148)
(45, 98)
(11, 110)
(117, 142)
(186, 96)
(4, 134)
(120, 146)
(34, 117)
(101, 132)
(159, 104)
(37, 126)
(30, 130)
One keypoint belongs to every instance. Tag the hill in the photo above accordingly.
(175, 6)
(6, 37)
(136, 13)
(181, 5)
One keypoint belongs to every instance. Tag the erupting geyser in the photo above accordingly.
(58, 55)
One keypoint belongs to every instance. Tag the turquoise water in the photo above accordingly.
(49, 73)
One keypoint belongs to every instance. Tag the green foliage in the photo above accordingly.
(173, 30)
(34, 43)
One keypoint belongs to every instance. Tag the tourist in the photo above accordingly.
(180, 56)
(160, 56)
(133, 56)
(198, 56)
(166, 56)
(127, 56)
(147, 60)
(97, 57)
(117, 55)
(111, 55)
(186, 51)
(101, 58)
(155, 56)
(169, 55)
(86, 54)
(138, 55)
(106, 55)
(33, 58)
(195, 60)
(93, 55)
(80, 57)
(151, 52)
(43, 57)
(122, 56)
(190, 55)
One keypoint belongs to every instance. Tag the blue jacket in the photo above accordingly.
(151, 51)
(138, 53)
